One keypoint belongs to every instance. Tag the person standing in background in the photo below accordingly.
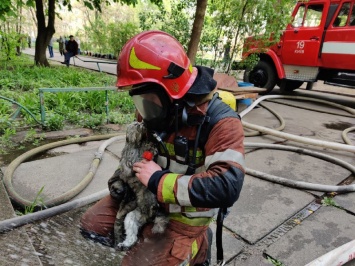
(50, 48)
(71, 49)
(61, 42)
(29, 41)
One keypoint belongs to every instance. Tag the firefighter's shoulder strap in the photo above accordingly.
(216, 111)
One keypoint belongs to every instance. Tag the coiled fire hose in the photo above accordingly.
(71, 193)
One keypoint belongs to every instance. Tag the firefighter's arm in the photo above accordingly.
(221, 184)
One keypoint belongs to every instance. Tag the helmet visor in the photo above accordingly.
(151, 101)
(149, 106)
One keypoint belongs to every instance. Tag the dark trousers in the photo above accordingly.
(67, 57)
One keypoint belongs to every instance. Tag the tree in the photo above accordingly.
(46, 29)
(196, 29)
(237, 19)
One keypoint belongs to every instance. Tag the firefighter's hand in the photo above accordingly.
(145, 169)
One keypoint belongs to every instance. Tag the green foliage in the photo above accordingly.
(93, 120)
(328, 201)
(176, 21)
(121, 118)
(23, 76)
(6, 8)
(5, 108)
(31, 136)
(7, 132)
(8, 43)
(274, 261)
(54, 121)
(108, 38)
(38, 199)
(236, 20)
(21, 81)
(119, 33)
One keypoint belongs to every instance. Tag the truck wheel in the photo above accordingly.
(262, 75)
(289, 85)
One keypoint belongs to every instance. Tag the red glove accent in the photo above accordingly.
(148, 155)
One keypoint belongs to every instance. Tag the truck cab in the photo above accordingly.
(319, 44)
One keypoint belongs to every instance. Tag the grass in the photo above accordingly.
(329, 201)
(274, 262)
(38, 201)
(20, 81)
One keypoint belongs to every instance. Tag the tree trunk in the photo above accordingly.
(196, 30)
(44, 33)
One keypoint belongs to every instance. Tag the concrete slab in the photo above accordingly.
(296, 166)
(231, 245)
(58, 242)
(346, 201)
(251, 259)
(320, 126)
(303, 122)
(325, 230)
(16, 248)
(263, 206)
(116, 148)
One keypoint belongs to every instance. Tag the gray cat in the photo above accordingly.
(138, 205)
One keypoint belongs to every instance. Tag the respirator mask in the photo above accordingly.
(154, 105)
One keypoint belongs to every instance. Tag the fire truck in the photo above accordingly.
(319, 44)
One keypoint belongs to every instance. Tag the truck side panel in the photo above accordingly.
(338, 49)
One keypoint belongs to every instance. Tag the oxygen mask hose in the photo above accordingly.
(166, 152)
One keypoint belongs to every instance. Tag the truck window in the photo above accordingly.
(342, 17)
(313, 16)
(352, 17)
(297, 22)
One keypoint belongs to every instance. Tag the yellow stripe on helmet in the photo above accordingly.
(136, 63)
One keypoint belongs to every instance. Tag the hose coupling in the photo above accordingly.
(98, 155)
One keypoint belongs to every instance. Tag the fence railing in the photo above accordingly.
(55, 90)
(95, 61)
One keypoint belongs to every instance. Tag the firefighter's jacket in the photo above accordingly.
(192, 200)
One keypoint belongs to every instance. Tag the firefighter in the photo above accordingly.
(194, 174)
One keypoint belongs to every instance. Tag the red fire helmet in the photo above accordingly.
(156, 57)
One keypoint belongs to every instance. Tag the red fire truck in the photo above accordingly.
(319, 44)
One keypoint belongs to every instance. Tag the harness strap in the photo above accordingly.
(219, 231)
